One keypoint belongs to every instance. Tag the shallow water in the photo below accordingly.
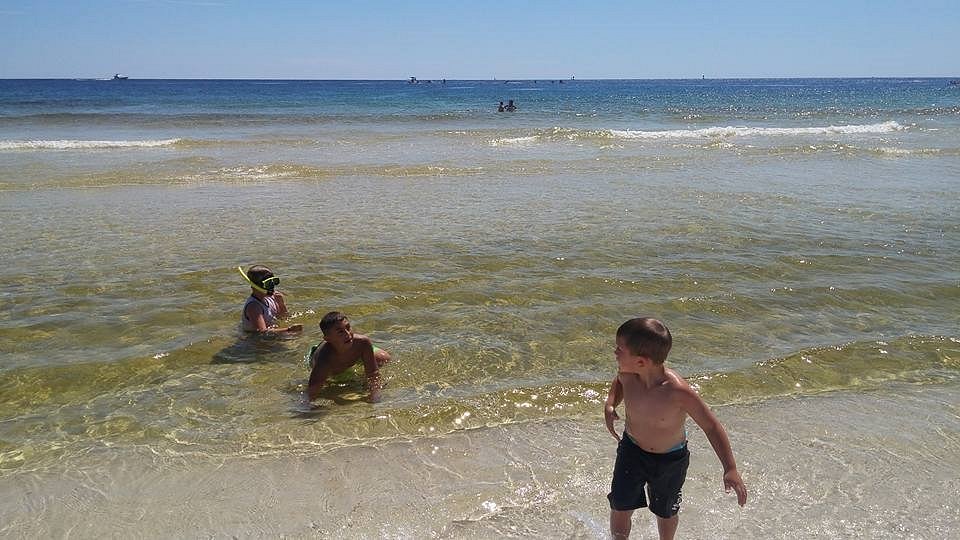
(811, 472)
(801, 241)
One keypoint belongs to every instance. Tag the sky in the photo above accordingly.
(459, 39)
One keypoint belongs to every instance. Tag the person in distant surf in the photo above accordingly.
(340, 350)
(500, 108)
(653, 450)
(510, 106)
(265, 306)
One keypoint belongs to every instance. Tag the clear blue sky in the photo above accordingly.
(372, 39)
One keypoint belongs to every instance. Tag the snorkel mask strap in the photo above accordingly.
(256, 287)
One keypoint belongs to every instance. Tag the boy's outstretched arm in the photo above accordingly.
(372, 371)
(717, 435)
(614, 397)
(317, 377)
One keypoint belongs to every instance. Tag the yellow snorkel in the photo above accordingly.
(256, 287)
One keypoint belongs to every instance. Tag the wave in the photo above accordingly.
(853, 366)
(243, 174)
(73, 144)
(831, 148)
(731, 131)
(36, 402)
(559, 134)
(295, 171)
(893, 151)
(515, 141)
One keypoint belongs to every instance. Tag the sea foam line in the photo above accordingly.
(731, 131)
(70, 144)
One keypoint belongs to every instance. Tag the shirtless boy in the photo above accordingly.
(342, 349)
(653, 450)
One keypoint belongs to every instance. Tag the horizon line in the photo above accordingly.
(431, 80)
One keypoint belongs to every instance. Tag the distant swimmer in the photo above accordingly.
(265, 306)
(500, 108)
(510, 106)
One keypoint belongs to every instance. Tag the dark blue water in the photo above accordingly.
(754, 100)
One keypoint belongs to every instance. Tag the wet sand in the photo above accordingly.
(876, 465)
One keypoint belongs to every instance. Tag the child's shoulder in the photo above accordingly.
(681, 391)
(320, 348)
(673, 377)
(676, 382)
(360, 339)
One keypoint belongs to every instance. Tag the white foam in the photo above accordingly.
(905, 151)
(731, 131)
(82, 145)
(241, 174)
(514, 141)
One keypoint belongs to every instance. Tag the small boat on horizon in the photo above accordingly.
(118, 77)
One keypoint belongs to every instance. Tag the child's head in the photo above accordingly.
(335, 324)
(332, 319)
(646, 337)
(262, 277)
(336, 328)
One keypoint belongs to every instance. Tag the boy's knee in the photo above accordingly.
(620, 523)
(382, 357)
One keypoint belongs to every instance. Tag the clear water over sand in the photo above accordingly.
(800, 238)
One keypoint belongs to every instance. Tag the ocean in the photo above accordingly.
(800, 238)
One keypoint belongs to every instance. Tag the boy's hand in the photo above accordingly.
(731, 480)
(609, 415)
(295, 328)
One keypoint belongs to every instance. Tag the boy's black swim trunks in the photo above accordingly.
(636, 468)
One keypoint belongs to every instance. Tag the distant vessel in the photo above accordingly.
(413, 80)
(118, 77)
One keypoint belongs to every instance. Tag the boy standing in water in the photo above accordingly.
(653, 450)
(342, 349)
(265, 305)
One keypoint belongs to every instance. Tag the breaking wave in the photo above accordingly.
(558, 134)
(731, 131)
(72, 144)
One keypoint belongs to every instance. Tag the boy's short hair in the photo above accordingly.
(646, 337)
(330, 320)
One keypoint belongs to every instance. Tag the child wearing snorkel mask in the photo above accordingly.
(265, 306)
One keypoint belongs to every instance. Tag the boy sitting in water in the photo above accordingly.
(342, 349)
(653, 450)
(265, 305)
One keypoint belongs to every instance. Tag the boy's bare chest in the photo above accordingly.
(653, 406)
(339, 360)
